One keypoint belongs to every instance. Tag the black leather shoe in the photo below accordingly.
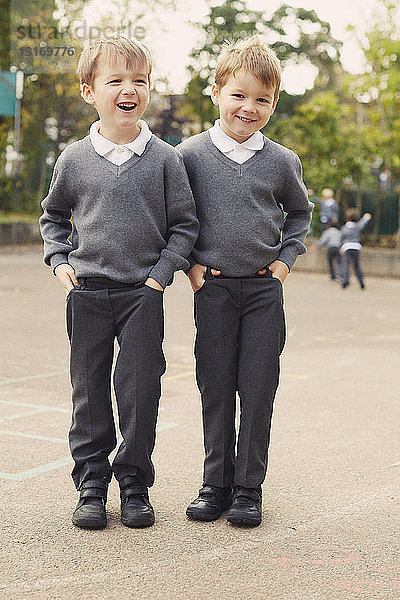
(136, 510)
(90, 512)
(246, 507)
(210, 503)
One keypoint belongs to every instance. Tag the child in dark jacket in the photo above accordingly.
(331, 239)
(350, 244)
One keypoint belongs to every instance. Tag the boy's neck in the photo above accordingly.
(120, 137)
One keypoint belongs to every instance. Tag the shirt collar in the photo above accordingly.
(103, 146)
(225, 143)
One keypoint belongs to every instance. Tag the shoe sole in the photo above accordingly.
(89, 524)
(197, 517)
(138, 524)
(237, 520)
(207, 519)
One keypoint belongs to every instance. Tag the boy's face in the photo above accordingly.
(120, 96)
(245, 105)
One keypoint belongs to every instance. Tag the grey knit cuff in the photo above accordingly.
(288, 255)
(58, 259)
(163, 271)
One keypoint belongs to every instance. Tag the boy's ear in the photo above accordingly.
(215, 94)
(87, 94)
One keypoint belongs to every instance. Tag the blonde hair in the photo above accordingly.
(251, 55)
(133, 51)
(327, 192)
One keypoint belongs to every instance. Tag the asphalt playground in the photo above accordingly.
(331, 499)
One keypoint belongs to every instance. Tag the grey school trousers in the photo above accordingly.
(240, 335)
(98, 312)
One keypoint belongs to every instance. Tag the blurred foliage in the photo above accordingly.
(310, 41)
(378, 89)
(4, 34)
(325, 134)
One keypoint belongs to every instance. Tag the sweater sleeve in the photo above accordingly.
(362, 223)
(296, 204)
(323, 240)
(182, 223)
(55, 222)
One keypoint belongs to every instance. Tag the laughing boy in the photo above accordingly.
(133, 225)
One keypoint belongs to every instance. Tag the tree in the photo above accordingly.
(377, 89)
(233, 21)
(323, 132)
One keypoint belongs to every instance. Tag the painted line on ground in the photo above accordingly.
(43, 407)
(31, 377)
(9, 381)
(51, 466)
(42, 469)
(179, 376)
(27, 413)
(43, 438)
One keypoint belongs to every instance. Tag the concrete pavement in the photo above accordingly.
(331, 498)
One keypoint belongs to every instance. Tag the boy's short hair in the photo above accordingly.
(133, 51)
(251, 55)
(352, 214)
(332, 223)
(328, 192)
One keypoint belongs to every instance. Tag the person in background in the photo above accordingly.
(328, 208)
(331, 239)
(350, 244)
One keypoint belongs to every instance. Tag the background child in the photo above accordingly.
(242, 183)
(328, 208)
(350, 244)
(133, 225)
(331, 238)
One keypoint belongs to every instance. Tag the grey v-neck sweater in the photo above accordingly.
(129, 221)
(241, 207)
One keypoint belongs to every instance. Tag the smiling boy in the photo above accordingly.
(134, 224)
(254, 214)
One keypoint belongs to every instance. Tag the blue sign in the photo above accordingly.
(7, 93)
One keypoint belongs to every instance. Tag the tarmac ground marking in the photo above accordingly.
(55, 373)
(41, 407)
(40, 470)
(51, 466)
(27, 413)
(43, 438)
(179, 376)
(31, 377)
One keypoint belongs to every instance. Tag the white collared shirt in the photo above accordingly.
(231, 148)
(115, 153)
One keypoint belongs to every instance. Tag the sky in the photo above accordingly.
(173, 40)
